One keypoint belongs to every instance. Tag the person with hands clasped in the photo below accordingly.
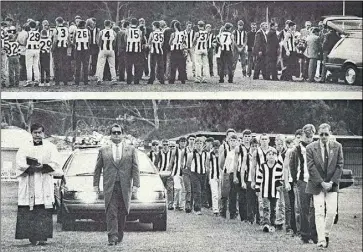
(121, 178)
(325, 164)
(37, 162)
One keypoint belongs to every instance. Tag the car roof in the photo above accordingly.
(340, 17)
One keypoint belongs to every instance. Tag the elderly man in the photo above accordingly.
(37, 162)
(304, 33)
(300, 176)
(121, 177)
(325, 164)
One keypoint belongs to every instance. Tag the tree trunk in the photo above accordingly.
(156, 116)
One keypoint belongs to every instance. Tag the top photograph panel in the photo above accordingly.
(175, 46)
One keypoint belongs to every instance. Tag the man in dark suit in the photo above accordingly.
(250, 42)
(272, 51)
(121, 178)
(312, 53)
(325, 164)
(259, 50)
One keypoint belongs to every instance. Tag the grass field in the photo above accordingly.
(186, 232)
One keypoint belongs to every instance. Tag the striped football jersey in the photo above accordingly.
(134, 38)
(82, 39)
(225, 40)
(12, 48)
(157, 41)
(189, 38)
(107, 38)
(202, 41)
(61, 36)
(239, 37)
(178, 41)
(33, 40)
(45, 45)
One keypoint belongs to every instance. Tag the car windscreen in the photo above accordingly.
(346, 25)
(84, 164)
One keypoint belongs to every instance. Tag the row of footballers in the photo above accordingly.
(260, 183)
(83, 47)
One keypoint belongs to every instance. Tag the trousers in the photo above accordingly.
(201, 65)
(188, 189)
(156, 67)
(325, 204)
(60, 65)
(307, 219)
(134, 60)
(45, 67)
(269, 211)
(103, 56)
(116, 214)
(32, 64)
(14, 70)
(177, 62)
(242, 56)
(197, 185)
(215, 187)
(169, 186)
(226, 62)
(82, 61)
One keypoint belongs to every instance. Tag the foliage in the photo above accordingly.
(213, 12)
(181, 117)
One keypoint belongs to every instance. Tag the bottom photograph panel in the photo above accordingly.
(181, 175)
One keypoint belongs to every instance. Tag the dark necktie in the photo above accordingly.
(326, 158)
(38, 143)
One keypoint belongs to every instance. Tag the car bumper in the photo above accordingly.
(138, 210)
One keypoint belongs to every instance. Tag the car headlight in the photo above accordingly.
(150, 196)
(86, 197)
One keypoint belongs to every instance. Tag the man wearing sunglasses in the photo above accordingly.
(154, 153)
(325, 164)
(300, 176)
(120, 173)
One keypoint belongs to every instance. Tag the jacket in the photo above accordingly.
(127, 169)
(313, 48)
(260, 43)
(317, 174)
(273, 45)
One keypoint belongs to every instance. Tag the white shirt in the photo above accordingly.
(114, 147)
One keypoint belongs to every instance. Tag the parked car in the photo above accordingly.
(76, 199)
(345, 59)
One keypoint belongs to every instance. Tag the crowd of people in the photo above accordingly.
(285, 187)
(39, 52)
(292, 186)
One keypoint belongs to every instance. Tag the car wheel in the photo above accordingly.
(351, 75)
(160, 223)
(67, 220)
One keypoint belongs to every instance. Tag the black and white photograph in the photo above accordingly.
(181, 126)
(181, 175)
(181, 46)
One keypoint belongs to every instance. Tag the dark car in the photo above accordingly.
(76, 199)
(345, 59)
